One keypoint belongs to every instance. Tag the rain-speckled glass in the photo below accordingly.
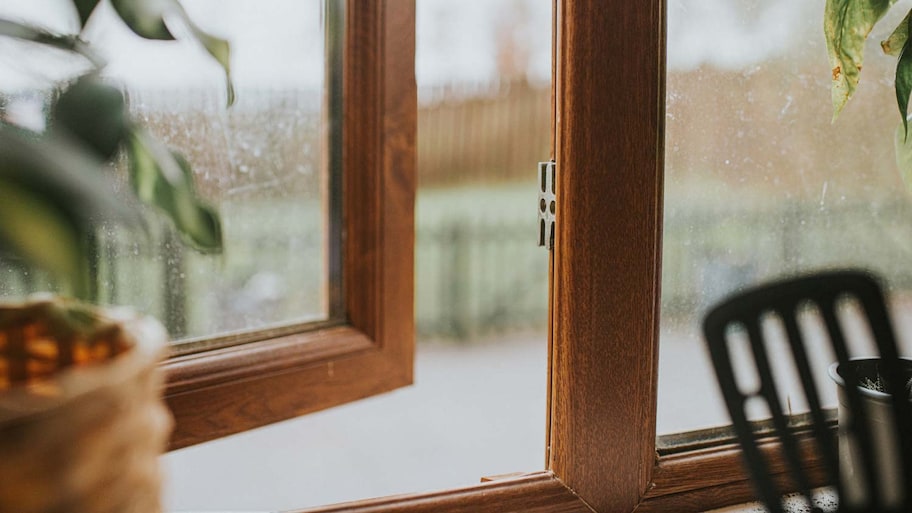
(262, 163)
(760, 183)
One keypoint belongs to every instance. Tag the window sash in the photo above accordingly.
(228, 390)
(610, 95)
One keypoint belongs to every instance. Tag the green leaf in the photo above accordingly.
(221, 51)
(218, 48)
(38, 231)
(84, 8)
(66, 172)
(69, 43)
(165, 180)
(93, 112)
(903, 83)
(52, 195)
(894, 44)
(903, 147)
(846, 26)
(146, 17)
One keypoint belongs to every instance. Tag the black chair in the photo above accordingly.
(785, 299)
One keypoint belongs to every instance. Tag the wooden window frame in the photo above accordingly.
(229, 390)
(608, 131)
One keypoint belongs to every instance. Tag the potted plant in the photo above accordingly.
(81, 417)
(878, 416)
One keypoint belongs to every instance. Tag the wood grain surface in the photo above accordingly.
(539, 492)
(610, 103)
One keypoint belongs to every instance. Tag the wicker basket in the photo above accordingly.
(82, 422)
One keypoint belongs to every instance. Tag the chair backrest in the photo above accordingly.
(785, 299)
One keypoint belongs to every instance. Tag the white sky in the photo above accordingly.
(275, 43)
(457, 39)
(279, 42)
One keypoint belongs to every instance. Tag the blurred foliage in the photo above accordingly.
(56, 185)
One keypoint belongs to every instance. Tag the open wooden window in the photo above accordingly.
(368, 347)
(608, 145)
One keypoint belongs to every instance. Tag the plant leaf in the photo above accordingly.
(36, 230)
(148, 19)
(84, 8)
(903, 147)
(894, 44)
(145, 17)
(69, 43)
(165, 180)
(846, 25)
(218, 48)
(221, 51)
(93, 112)
(52, 195)
(64, 171)
(903, 83)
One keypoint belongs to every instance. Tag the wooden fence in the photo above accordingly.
(478, 278)
(482, 133)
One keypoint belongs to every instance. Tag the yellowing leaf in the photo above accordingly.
(894, 44)
(846, 26)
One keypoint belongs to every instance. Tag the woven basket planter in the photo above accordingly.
(82, 422)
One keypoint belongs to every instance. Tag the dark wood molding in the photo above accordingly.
(539, 492)
(242, 404)
(721, 465)
(699, 494)
(715, 477)
(699, 500)
(225, 391)
(605, 297)
(266, 357)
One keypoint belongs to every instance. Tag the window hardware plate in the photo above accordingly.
(547, 204)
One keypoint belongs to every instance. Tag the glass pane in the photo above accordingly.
(263, 163)
(761, 184)
(478, 404)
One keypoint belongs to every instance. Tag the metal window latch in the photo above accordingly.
(546, 204)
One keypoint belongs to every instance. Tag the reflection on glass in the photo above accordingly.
(760, 184)
(262, 163)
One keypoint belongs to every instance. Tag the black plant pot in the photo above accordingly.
(878, 414)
